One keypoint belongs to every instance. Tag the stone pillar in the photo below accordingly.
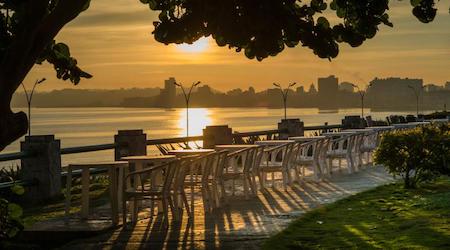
(290, 128)
(44, 167)
(217, 135)
(353, 122)
(130, 142)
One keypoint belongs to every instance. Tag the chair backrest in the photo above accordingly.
(259, 154)
(222, 161)
(169, 174)
(182, 171)
(250, 159)
(235, 157)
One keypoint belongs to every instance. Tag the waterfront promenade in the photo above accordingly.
(243, 224)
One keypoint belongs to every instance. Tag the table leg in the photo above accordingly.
(120, 186)
(85, 193)
(113, 195)
(192, 189)
(68, 194)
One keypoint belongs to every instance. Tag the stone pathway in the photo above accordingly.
(243, 224)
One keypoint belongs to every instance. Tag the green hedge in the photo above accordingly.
(417, 155)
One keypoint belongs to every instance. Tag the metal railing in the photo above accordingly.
(109, 146)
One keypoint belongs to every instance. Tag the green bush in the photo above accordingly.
(417, 155)
(10, 216)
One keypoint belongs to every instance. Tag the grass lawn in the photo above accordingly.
(388, 217)
(98, 195)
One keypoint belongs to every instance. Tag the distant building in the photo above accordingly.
(168, 94)
(300, 90)
(204, 91)
(394, 92)
(447, 86)
(274, 98)
(346, 86)
(328, 89)
(433, 88)
(312, 89)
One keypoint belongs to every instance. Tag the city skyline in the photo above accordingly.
(390, 93)
(97, 37)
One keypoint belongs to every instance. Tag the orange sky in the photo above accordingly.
(112, 40)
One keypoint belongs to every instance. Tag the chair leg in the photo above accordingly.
(330, 165)
(261, 180)
(135, 210)
(244, 180)
(350, 164)
(223, 191)
(152, 208)
(285, 176)
(165, 212)
(124, 211)
(216, 194)
(173, 209)
(186, 203)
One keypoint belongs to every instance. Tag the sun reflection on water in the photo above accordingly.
(199, 118)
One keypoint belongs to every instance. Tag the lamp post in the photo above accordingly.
(187, 98)
(362, 94)
(29, 97)
(416, 94)
(284, 94)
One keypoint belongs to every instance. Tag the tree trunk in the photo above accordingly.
(12, 125)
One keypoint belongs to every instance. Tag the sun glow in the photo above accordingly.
(199, 118)
(197, 47)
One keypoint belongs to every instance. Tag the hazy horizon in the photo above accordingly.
(114, 43)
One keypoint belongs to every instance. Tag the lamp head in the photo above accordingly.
(196, 84)
(41, 81)
(292, 84)
(354, 85)
(276, 85)
(177, 84)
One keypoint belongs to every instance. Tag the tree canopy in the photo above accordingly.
(263, 28)
(259, 28)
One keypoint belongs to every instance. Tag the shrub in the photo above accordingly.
(417, 155)
(10, 216)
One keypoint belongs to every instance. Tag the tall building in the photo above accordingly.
(168, 94)
(328, 89)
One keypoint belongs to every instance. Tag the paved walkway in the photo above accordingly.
(243, 224)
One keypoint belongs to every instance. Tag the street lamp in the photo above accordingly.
(187, 98)
(284, 94)
(29, 99)
(416, 94)
(362, 94)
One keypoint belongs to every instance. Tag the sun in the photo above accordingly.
(197, 47)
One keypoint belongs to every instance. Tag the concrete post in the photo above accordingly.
(44, 167)
(291, 127)
(353, 122)
(217, 135)
(130, 143)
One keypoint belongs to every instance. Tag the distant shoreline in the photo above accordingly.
(321, 110)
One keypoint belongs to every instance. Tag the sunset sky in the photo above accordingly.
(112, 40)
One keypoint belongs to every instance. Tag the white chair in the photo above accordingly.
(307, 156)
(240, 166)
(340, 149)
(200, 174)
(155, 185)
(276, 159)
(368, 145)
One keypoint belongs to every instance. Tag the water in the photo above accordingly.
(88, 126)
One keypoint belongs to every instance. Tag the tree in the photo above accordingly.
(260, 28)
